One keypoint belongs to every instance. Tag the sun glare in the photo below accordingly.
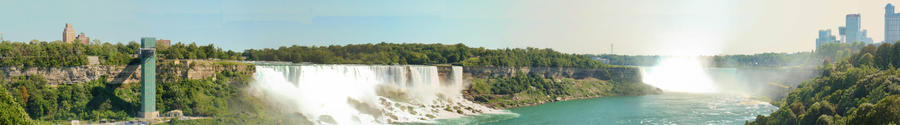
(679, 74)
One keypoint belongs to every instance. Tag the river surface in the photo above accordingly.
(668, 108)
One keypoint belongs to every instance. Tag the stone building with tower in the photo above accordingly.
(69, 35)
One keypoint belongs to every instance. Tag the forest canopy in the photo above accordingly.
(421, 54)
(60, 54)
(863, 88)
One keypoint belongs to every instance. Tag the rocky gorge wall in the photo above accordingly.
(167, 71)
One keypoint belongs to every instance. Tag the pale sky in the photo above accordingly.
(575, 26)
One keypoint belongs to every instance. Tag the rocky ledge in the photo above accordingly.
(168, 70)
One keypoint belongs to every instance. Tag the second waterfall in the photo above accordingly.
(366, 94)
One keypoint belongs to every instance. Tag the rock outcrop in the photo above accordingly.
(77, 74)
(168, 70)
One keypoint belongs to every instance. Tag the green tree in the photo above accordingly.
(11, 113)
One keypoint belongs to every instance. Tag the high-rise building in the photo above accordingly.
(68, 33)
(842, 31)
(864, 37)
(825, 37)
(852, 32)
(891, 24)
(851, 28)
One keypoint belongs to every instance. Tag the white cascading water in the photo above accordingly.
(366, 94)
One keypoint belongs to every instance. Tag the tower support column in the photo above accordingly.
(148, 78)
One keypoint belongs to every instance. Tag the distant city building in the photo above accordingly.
(891, 24)
(83, 39)
(852, 32)
(842, 31)
(68, 33)
(864, 37)
(825, 37)
(851, 28)
(161, 43)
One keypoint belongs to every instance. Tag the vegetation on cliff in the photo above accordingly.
(97, 100)
(861, 89)
(421, 54)
(528, 89)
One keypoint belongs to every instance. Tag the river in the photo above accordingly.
(668, 108)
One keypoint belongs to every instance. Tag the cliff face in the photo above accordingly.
(168, 70)
(77, 74)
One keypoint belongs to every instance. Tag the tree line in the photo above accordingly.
(61, 54)
(421, 54)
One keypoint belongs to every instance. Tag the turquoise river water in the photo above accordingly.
(668, 108)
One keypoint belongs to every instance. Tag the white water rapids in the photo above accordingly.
(366, 94)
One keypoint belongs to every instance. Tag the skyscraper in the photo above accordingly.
(68, 33)
(852, 32)
(891, 24)
(851, 28)
(825, 37)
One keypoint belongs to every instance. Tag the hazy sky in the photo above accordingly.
(576, 26)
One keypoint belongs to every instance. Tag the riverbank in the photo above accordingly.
(494, 93)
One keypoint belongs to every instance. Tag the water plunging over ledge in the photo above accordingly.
(366, 94)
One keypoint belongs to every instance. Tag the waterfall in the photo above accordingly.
(366, 94)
